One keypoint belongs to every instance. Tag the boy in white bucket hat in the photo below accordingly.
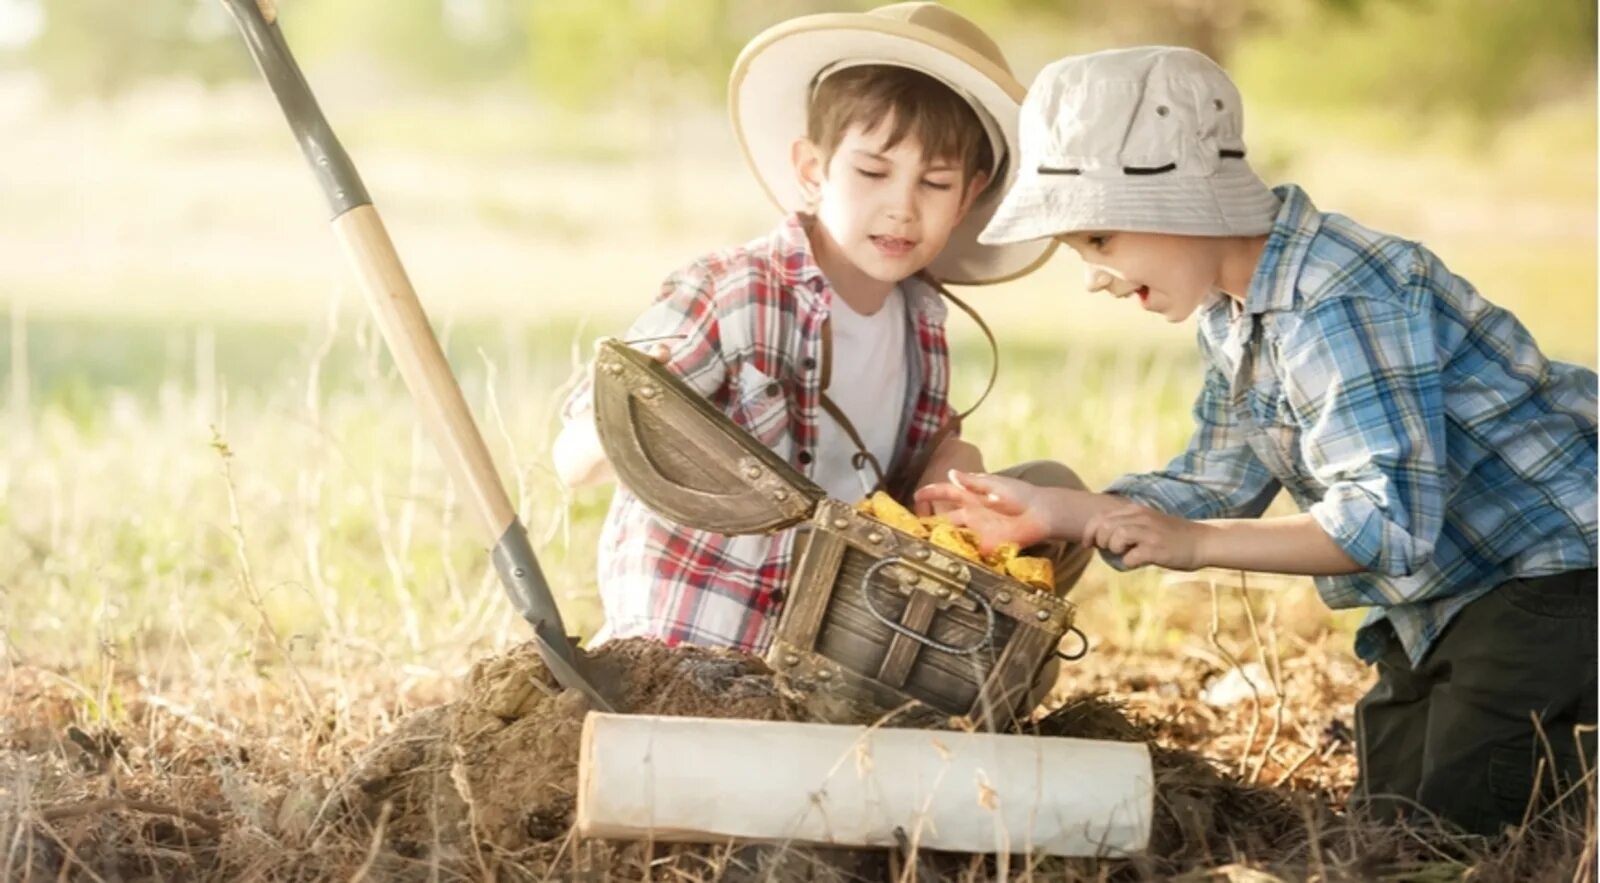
(886, 137)
(1444, 467)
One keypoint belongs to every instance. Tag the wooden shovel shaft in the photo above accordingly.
(414, 347)
(423, 367)
(383, 279)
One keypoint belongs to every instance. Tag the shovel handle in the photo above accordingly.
(383, 278)
(410, 338)
(422, 366)
(335, 173)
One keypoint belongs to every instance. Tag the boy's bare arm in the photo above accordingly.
(1294, 544)
(580, 461)
(1285, 544)
(1071, 512)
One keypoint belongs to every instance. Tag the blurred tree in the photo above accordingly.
(583, 50)
(424, 40)
(103, 47)
(1482, 59)
(98, 48)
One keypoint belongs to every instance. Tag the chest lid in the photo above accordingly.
(683, 457)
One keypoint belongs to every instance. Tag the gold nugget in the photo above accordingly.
(1036, 572)
(1001, 554)
(959, 540)
(886, 509)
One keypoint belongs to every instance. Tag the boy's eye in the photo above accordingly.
(937, 185)
(1098, 243)
(870, 174)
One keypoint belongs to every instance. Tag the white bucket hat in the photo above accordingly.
(774, 75)
(1149, 139)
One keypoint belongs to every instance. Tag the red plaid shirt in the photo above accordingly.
(750, 318)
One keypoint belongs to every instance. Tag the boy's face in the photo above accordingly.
(890, 210)
(1170, 275)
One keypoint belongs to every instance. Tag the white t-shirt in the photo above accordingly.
(868, 383)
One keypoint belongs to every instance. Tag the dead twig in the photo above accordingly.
(204, 822)
(1216, 641)
(247, 577)
(1283, 779)
(1274, 668)
(374, 845)
(189, 716)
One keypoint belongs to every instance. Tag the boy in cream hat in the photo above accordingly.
(1444, 467)
(886, 137)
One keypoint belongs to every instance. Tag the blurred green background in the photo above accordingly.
(165, 267)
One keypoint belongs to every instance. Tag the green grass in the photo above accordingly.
(115, 497)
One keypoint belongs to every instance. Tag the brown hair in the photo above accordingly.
(919, 105)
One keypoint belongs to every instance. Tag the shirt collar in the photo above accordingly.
(1272, 287)
(801, 274)
(798, 268)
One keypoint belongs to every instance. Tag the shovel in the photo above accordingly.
(416, 353)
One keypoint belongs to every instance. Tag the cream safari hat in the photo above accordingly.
(774, 75)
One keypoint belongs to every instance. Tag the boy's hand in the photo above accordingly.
(998, 509)
(1141, 535)
(952, 453)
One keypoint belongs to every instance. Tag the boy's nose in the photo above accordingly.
(903, 204)
(1097, 280)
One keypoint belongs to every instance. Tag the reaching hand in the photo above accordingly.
(996, 508)
(1141, 535)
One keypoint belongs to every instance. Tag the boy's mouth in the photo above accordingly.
(892, 246)
(1144, 294)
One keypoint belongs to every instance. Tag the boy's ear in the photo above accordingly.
(975, 188)
(810, 167)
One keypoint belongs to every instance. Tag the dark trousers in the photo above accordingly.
(1455, 736)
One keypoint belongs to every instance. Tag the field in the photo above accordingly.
(230, 564)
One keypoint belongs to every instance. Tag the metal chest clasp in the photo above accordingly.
(940, 586)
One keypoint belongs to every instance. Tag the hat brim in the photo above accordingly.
(768, 91)
(1234, 202)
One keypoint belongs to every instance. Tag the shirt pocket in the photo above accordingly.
(762, 408)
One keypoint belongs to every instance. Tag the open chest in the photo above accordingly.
(874, 612)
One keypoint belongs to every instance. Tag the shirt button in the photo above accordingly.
(808, 363)
(804, 458)
(773, 389)
(778, 596)
(817, 284)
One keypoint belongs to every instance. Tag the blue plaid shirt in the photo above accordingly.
(1418, 423)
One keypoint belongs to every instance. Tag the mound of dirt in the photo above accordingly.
(499, 766)
(495, 772)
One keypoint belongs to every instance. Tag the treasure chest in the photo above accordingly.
(872, 612)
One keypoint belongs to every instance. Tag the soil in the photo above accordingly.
(482, 787)
(494, 773)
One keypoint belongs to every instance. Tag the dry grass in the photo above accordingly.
(172, 792)
(215, 603)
